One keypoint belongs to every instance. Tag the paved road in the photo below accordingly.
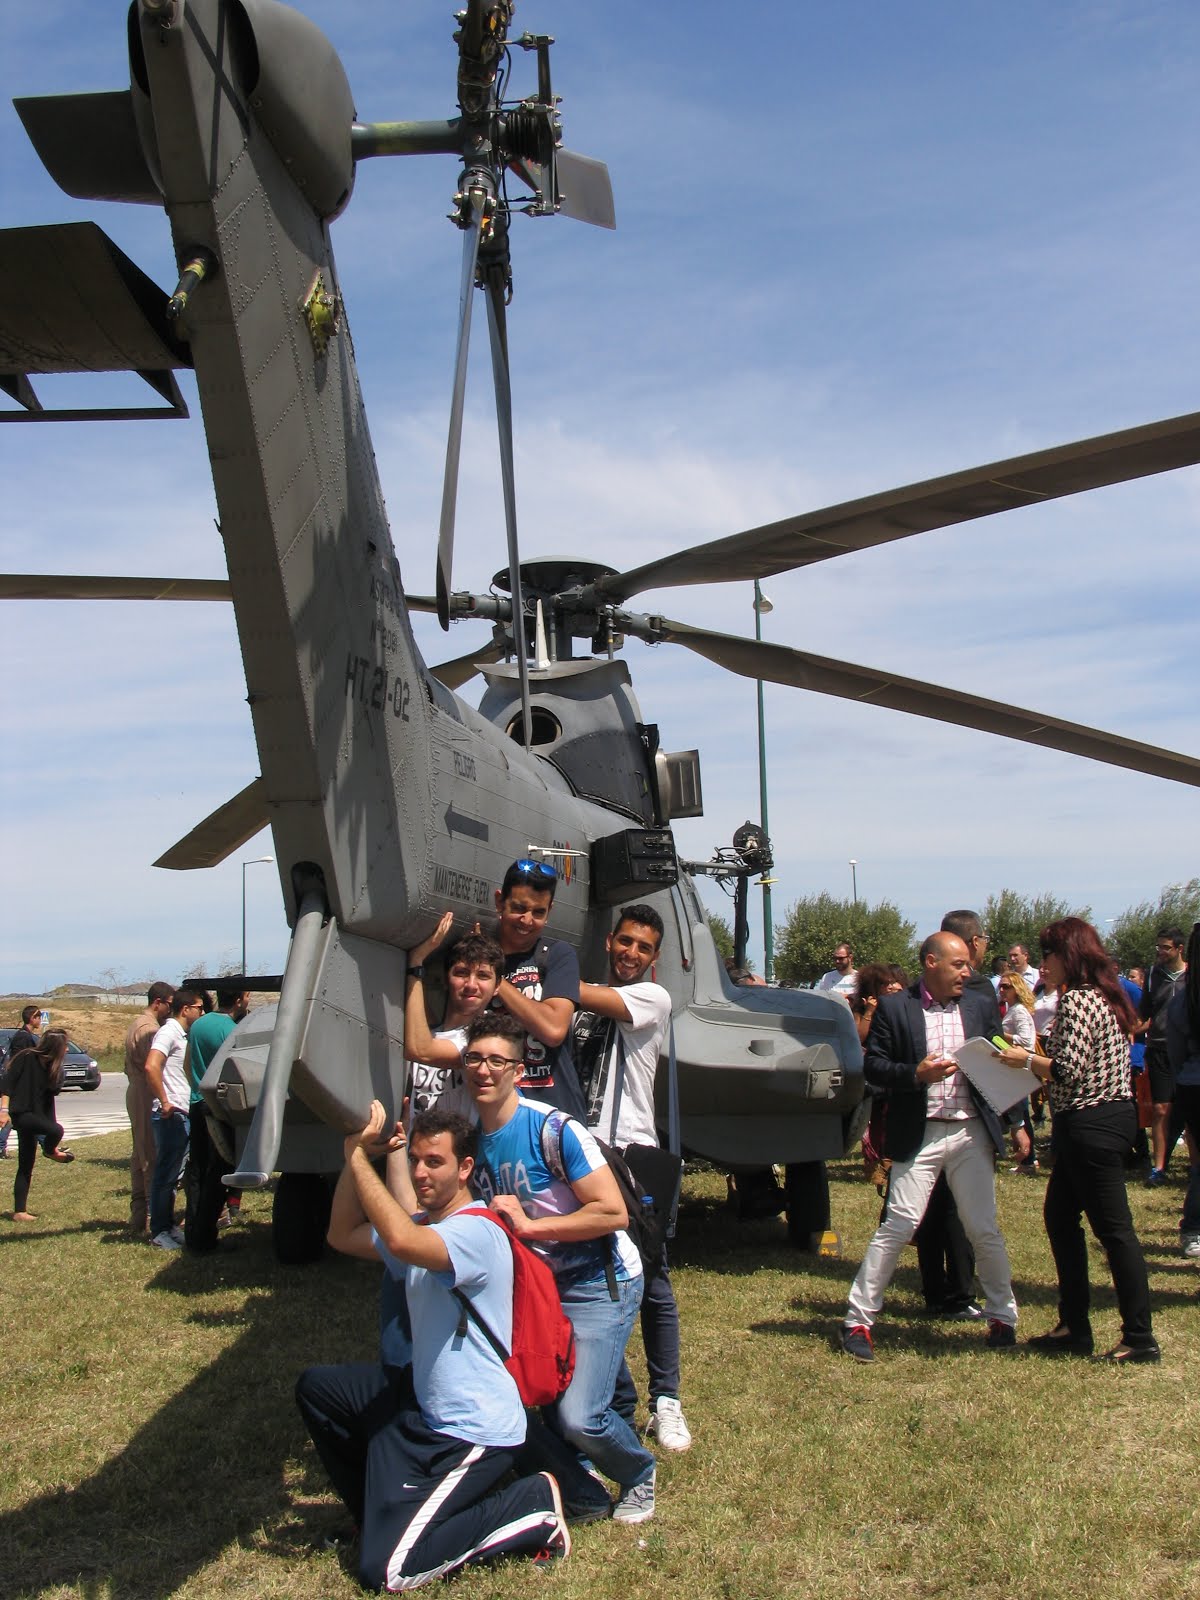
(86, 1112)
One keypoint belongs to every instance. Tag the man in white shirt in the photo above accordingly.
(842, 979)
(1018, 961)
(619, 1036)
(170, 1115)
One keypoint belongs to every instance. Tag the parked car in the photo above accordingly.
(80, 1070)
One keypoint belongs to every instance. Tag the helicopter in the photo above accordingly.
(389, 798)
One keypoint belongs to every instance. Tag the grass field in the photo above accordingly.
(151, 1446)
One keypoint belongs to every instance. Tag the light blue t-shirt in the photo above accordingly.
(511, 1161)
(462, 1386)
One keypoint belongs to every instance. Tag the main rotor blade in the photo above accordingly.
(222, 832)
(463, 668)
(494, 290)
(50, 586)
(823, 675)
(466, 289)
(937, 503)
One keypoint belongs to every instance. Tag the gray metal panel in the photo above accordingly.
(71, 301)
(89, 145)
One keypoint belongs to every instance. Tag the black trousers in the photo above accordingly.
(944, 1253)
(425, 1503)
(1088, 1179)
(31, 1126)
(202, 1185)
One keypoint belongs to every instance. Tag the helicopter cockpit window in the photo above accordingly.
(544, 725)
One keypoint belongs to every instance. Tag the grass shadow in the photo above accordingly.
(225, 1451)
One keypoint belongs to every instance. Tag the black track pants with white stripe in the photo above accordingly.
(426, 1503)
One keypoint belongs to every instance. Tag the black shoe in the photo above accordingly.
(1061, 1341)
(1000, 1335)
(1132, 1355)
(968, 1313)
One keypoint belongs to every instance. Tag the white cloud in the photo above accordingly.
(866, 255)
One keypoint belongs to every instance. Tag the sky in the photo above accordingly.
(857, 246)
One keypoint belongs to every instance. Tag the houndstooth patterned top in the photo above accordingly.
(1089, 1051)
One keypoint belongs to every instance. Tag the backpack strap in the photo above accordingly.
(619, 1085)
(551, 1142)
(467, 1307)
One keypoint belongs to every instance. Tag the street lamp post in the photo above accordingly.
(254, 862)
(762, 605)
(854, 879)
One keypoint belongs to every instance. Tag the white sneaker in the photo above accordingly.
(166, 1241)
(177, 1233)
(667, 1425)
(1189, 1245)
(636, 1503)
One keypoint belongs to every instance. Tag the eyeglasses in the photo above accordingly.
(534, 869)
(472, 1058)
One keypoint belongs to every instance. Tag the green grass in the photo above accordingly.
(151, 1446)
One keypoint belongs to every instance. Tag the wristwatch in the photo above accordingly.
(416, 972)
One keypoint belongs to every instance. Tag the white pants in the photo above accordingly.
(963, 1151)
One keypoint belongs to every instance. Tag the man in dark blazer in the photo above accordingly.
(936, 1122)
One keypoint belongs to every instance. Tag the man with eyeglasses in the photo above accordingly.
(550, 1179)
(540, 983)
(1161, 985)
(170, 1106)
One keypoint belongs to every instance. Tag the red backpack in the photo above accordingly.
(543, 1341)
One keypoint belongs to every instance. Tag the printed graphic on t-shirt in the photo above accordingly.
(526, 977)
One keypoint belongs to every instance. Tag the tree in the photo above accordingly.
(1131, 937)
(722, 934)
(1009, 917)
(805, 943)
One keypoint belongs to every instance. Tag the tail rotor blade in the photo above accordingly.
(499, 337)
(466, 289)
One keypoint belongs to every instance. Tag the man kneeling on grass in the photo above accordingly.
(421, 1482)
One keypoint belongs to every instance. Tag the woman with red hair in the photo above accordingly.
(1086, 1071)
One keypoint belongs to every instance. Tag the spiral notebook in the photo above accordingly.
(1000, 1085)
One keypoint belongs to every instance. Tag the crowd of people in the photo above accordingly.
(1076, 1028)
(530, 1099)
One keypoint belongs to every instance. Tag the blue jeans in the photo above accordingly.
(585, 1415)
(170, 1146)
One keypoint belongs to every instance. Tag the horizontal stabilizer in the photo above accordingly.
(227, 829)
(89, 145)
(51, 586)
(71, 301)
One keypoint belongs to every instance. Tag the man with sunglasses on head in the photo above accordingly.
(540, 984)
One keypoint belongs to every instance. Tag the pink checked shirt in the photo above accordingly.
(949, 1100)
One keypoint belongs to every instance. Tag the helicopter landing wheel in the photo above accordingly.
(300, 1217)
(806, 1187)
